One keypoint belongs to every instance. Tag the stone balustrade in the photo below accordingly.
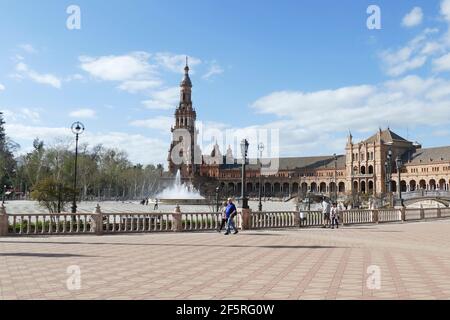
(113, 223)
(274, 219)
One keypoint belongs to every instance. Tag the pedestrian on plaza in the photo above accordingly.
(146, 202)
(156, 206)
(334, 213)
(224, 216)
(231, 212)
(325, 212)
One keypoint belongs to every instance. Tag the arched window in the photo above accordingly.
(370, 169)
(363, 170)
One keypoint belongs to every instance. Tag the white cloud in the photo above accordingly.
(176, 62)
(214, 69)
(163, 100)
(74, 77)
(28, 48)
(118, 68)
(158, 123)
(411, 56)
(83, 113)
(2, 87)
(445, 9)
(133, 86)
(32, 115)
(442, 63)
(22, 115)
(408, 101)
(413, 18)
(42, 78)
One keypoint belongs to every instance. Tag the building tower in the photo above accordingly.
(183, 149)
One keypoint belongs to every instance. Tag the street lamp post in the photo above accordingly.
(244, 150)
(4, 194)
(388, 168)
(335, 178)
(398, 162)
(217, 198)
(260, 149)
(77, 129)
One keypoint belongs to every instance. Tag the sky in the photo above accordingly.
(310, 70)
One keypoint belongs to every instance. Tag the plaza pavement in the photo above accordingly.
(414, 260)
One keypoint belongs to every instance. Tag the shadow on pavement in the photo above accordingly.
(41, 255)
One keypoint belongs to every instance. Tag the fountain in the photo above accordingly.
(180, 193)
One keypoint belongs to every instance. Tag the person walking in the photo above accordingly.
(325, 213)
(334, 213)
(231, 212)
(224, 216)
(156, 206)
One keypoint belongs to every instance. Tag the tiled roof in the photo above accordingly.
(324, 162)
(386, 136)
(427, 156)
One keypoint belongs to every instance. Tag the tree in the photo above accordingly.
(7, 161)
(52, 195)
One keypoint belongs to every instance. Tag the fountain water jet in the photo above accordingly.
(180, 193)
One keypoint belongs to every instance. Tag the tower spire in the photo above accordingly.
(186, 68)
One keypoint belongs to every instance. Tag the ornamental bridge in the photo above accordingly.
(440, 196)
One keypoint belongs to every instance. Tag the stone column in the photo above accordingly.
(177, 225)
(297, 221)
(246, 221)
(97, 221)
(3, 222)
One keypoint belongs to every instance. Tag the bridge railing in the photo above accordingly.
(425, 194)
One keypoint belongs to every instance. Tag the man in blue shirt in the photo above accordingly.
(231, 212)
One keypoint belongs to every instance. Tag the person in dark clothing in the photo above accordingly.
(224, 216)
(231, 212)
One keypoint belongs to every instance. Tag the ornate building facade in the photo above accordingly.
(367, 167)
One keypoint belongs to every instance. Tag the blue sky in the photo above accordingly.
(311, 69)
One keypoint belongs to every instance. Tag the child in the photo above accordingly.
(224, 216)
(334, 216)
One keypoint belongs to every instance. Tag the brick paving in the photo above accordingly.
(414, 260)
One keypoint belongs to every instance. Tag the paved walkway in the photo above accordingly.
(413, 260)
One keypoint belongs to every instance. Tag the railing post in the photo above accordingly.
(3, 222)
(297, 220)
(402, 214)
(375, 216)
(177, 225)
(246, 222)
(422, 212)
(97, 218)
(439, 213)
